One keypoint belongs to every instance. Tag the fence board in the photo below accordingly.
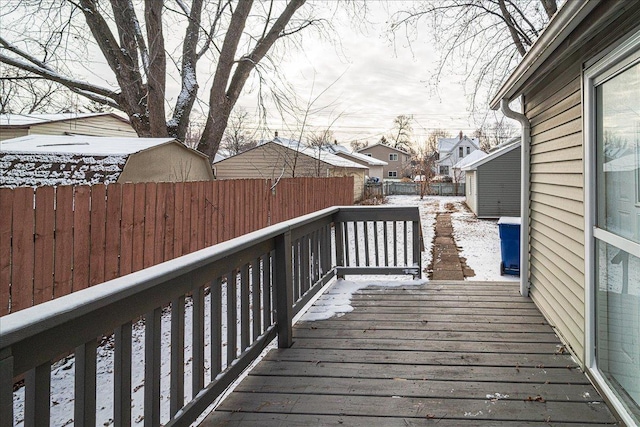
(98, 237)
(149, 224)
(178, 220)
(43, 259)
(99, 233)
(81, 237)
(137, 256)
(126, 227)
(63, 252)
(112, 229)
(6, 205)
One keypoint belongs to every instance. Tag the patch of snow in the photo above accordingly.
(497, 396)
(472, 414)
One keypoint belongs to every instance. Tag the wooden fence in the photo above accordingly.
(54, 241)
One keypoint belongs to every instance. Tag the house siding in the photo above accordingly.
(273, 161)
(12, 133)
(498, 186)
(166, 163)
(470, 190)
(381, 152)
(557, 212)
(92, 126)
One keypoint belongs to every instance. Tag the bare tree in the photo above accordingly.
(431, 144)
(236, 137)
(400, 136)
(358, 145)
(22, 93)
(481, 39)
(494, 133)
(50, 39)
(321, 138)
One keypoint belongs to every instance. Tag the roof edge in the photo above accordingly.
(561, 25)
(493, 155)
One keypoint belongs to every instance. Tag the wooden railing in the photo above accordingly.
(237, 296)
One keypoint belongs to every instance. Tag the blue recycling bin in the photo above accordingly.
(509, 228)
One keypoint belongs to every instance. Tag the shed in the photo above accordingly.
(492, 183)
(282, 158)
(90, 124)
(39, 160)
(580, 256)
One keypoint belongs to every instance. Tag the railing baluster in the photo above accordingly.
(177, 356)
(296, 270)
(386, 243)
(305, 260)
(152, 334)
(376, 243)
(340, 229)
(231, 317)
(417, 245)
(405, 235)
(216, 327)
(366, 242)
(357, 242)
(37, 396)
(85, 385)
(266, 291)
(255, 293)
(122, 376)
(244, 308)
(6, 388)
(346, 246)
(395, 243)
(197, 342)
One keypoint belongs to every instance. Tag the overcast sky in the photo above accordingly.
(371, 80)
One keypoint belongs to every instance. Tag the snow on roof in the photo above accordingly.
(329, 158)
(79, 144)
(492, 155)
(52, 169)
(473, 157)
(384, 145)
(448, 144)
(33, 119)
(341, 149)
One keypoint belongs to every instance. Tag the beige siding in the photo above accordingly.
(166, 163)
(556, 255)
(358, 180)
(470, 190)
(12, 133)
(92, 126)
(382, 152)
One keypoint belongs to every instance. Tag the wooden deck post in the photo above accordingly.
(283, 289)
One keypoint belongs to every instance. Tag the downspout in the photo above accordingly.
(525, 148)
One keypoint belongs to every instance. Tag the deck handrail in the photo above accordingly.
(270, 274)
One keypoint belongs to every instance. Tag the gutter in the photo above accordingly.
(524, 192)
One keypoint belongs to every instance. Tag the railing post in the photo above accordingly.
(6, 388)
(284, 288)
(339, 226)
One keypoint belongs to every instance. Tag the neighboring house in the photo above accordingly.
(39, 160)
(91, 124)
(376, 167)
(492, 182)
(460, 167)
(398, 161)
(282, 158)
(451, 151)
(580, 260)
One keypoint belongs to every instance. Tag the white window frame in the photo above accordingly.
(393, 157)
(605, 68)
(395, 174)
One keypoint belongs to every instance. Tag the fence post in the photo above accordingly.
(283, 289)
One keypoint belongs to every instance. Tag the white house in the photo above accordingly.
(451, 151)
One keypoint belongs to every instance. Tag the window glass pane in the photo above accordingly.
(618, 322)
(618, 150)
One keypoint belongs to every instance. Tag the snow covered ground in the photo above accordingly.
(479, 242)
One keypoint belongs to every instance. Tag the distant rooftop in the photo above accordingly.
(32, 119)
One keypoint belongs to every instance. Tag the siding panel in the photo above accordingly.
(499, 186)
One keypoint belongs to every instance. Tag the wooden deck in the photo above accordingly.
(445, 353)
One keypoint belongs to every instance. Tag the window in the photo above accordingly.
(367, 154)
(460, 151)
(392, 174)
(393, 157)
(468, 150)
(612, 117)
(444, 170)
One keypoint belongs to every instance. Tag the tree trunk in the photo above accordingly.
(157, 74)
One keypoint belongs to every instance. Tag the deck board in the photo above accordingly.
(467, 353)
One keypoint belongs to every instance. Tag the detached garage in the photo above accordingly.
(493, 183)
